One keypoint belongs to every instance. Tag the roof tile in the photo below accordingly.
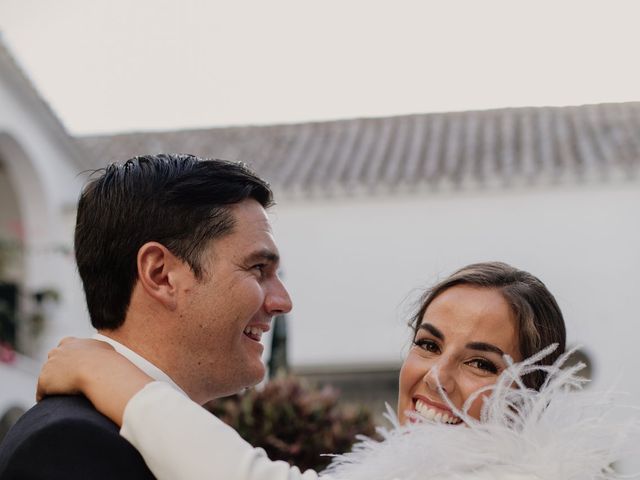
(483, 146)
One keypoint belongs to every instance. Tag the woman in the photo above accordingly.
(465, 326)
(466, 333)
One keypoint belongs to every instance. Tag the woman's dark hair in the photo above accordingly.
(180, 201)
(539, 321)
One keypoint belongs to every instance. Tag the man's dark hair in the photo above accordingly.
(180, 201)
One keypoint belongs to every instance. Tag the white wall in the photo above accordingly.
(37, 156)
(351, 263)
(19, 384)
(37, 161)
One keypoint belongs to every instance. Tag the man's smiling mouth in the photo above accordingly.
(253, 332)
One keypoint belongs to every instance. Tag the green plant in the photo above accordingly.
(37, 318)
(294, 422)
(33, 319)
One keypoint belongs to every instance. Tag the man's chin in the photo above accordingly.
(260, 374)
(237, 380)
(254, 375)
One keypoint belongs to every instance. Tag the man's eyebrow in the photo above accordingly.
(264, 255)
(484, 347)
(432, 330)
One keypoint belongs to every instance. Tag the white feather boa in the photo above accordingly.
(558, 433)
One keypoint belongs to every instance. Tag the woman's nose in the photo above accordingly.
(440, 375)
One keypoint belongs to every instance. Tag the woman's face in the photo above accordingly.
(463, 334)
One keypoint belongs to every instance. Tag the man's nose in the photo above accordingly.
(441, 375)
(278, 300)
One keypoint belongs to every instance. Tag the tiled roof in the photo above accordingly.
(505, 145)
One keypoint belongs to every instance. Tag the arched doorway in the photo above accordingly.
(11, 262)
(23, 228)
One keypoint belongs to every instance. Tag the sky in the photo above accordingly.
(136, 65)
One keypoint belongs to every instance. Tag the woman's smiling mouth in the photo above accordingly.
(434, 414)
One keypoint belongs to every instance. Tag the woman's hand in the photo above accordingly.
(71, 364)
(94, 369)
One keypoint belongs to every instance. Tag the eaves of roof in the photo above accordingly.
(21, 83)
(514, 145)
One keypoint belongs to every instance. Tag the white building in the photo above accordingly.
(370, 212)
(39, 188)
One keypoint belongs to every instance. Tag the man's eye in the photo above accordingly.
(427, 345)
(483, 364)
(259, 267)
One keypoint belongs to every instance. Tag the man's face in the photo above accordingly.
(225, 313)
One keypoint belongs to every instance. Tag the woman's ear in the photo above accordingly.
(160, 273)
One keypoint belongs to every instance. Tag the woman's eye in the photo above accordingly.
(427, 345)
(483, 364)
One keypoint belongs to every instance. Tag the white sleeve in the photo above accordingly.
(180, 440)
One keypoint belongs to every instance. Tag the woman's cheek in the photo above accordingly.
(472, 386)
(411, 374)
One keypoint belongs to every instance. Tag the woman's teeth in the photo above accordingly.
(434, 415)
(255, 333)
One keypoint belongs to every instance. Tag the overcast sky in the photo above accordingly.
(120, 65)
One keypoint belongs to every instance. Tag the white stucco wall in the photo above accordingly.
(37, 160)
(37, 157)
(352, 264)
(20, 376)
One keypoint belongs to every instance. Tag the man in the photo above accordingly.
(179, 268)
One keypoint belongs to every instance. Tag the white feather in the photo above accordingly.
(558, 433)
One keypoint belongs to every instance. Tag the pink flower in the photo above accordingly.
(7, 353)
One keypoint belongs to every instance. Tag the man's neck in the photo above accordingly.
(146, 359)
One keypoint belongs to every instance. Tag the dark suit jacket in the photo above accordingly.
(64, 437)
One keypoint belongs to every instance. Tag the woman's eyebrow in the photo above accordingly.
(432, 330)
(484, 347)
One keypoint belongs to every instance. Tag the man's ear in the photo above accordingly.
(160, 273)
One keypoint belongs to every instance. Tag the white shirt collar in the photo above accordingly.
(142, 363)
